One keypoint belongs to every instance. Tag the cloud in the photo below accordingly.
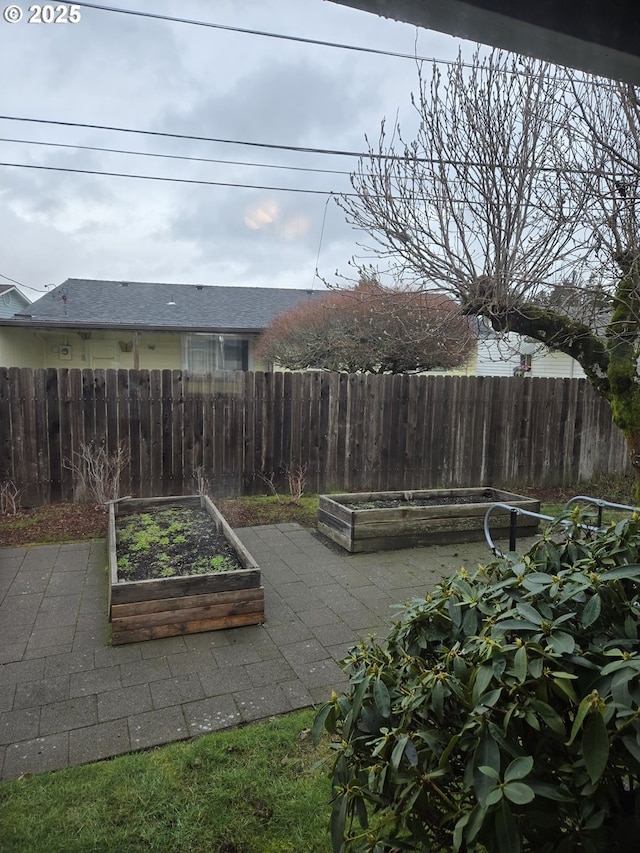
(122, 70)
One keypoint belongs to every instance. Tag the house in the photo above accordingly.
(514, 355)
(510, 354)
(143, 325)
(11, 300)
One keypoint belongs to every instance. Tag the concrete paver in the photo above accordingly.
(68, 697)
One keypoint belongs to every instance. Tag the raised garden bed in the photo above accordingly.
(379, 521)
(186, 603)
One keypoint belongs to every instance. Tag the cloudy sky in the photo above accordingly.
(142, 73)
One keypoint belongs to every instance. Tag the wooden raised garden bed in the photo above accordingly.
(168, 606)
(378, 521)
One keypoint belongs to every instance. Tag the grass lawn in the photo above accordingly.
(255, 789)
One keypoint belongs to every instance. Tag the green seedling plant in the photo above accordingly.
(205, 566)
(124, 566)
(220, 564)
(502, 712)
(155, 540)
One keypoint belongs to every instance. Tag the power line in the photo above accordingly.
(165, 135)
(264, 33)
(170, 180)
(200, 182)
(324, 220)
(20, 284)
(304, 40)
(174, 156)
(12, 280)
(361, 155)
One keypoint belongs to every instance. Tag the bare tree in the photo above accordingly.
(474, 203)
(520, 178)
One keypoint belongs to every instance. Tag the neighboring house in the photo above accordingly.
(200, 328)
(513, 355)
(11, 300)
(123, 324)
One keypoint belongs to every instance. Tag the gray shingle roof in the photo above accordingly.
(112, 304)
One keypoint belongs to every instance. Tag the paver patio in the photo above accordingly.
(68, 697)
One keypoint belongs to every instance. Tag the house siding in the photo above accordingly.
(20, 348)
(501, 357)
(557, 365)
(11, 302)
(469, 368)
(97, 349)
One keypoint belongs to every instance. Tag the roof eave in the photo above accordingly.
(52, 325)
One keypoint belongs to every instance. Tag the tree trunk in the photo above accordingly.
(624, 363)
(633, 443)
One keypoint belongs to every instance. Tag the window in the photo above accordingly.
(205, 353)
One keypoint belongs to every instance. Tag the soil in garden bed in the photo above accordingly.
(170, 542)
(435, 501)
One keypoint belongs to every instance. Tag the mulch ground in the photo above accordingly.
(61, 522)
(71, 522)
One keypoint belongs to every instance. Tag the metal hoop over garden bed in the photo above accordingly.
(515, 512)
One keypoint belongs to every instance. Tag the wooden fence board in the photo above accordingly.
(6, 441)
(177, 433)
(125, 437)
(155, 433)
(53, 432)
(166, 442)
(144, 404)
(354, 432)
(42, 487)
(341, 458)
(18, 420)
(135, 436)
(67, 456)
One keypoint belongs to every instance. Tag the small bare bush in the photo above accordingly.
(97, 473)
(296, 477)
(296, 480)
(203, 485)
(9, 498)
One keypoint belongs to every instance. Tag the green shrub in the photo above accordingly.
(502, 713)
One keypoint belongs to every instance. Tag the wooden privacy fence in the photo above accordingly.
(352, 432)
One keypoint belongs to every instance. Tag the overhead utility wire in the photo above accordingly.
(161, 178)
(363, 155)
(264, 33)
(170, 180)
(12, 280)
(301, 39)
(166, 135)
(173, 156)
(25, 286)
